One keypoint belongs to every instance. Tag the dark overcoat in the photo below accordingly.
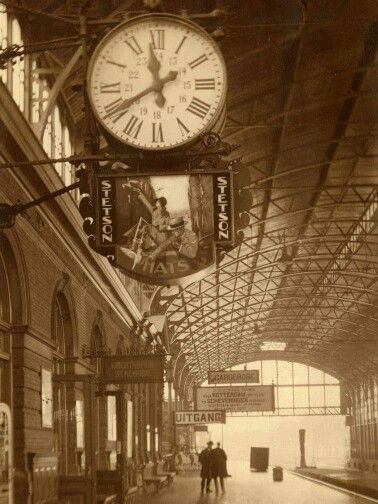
(218, 463)
(205, 459)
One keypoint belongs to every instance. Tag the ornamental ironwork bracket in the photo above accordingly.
(8, 213)
(14, 51)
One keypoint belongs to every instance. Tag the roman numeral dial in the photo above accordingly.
(157, 83)
(198, 107)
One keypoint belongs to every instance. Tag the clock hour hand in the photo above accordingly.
(153, 63)
(158, 87)
(154, 67)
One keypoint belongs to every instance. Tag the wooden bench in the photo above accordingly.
(160, 471)
(107, 499)
(150, 479)
(108, 486)
(131, 496)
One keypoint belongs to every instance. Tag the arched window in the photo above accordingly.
(67, 411)
(300, 389)
(57, 137)
(60, 317)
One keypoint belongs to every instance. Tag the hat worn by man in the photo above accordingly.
(176, 223)
(162, 200)
(210, 443)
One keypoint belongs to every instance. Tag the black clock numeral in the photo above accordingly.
(132, 127)
(183, 129)
(134, 46)
(198, 61)
(115, 87)
(204, 83)
(157, 132)
(180, 44)
(115, 63)
(157, 39)
(198, 107)
(111, 110)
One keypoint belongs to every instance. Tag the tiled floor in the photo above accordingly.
(247, 487)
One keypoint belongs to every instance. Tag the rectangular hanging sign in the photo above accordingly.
(133, 369)
(245, 376)
(199, 417)
(242, 398)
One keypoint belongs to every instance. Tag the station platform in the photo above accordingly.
(246, 487)
(362, 482)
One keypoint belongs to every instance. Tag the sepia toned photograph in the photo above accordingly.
(188, 251)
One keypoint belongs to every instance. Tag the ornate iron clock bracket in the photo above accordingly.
(8, 213)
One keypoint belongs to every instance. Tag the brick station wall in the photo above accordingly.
(51, 256)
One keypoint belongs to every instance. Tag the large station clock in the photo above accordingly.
(157, 82)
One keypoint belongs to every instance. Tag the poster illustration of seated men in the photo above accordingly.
(164, 226)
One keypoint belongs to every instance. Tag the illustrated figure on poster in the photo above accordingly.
(148, 236)
(205, 459)
(160, 240)
(219, 467)
(181, 240)
(158, 231)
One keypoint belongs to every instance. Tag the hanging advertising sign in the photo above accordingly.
(245, 376)
(133, 368)
(183, 436)
(199, 417)
(164, 228)
(259, 398)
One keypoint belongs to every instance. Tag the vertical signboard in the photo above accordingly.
(106, 213)
(222, 203)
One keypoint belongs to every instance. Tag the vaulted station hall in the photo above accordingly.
(188, 251)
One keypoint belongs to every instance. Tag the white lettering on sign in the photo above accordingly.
(106, 220)
(199, 417)
(223, 204)
(222, 208)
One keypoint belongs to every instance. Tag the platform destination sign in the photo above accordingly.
(245, 376)
(199, 417)
(133, 368)
(237, 398)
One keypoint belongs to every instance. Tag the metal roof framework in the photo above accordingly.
(302, 104)
(306, 272)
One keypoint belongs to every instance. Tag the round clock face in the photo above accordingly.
(157, 82)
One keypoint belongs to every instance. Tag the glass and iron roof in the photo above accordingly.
(302, 104)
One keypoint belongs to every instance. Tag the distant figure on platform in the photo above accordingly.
(205, 459)
(218, 466)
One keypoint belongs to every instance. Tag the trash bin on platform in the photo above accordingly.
(277, 473)
(259, 458)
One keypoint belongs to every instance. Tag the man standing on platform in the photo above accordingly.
(218, 467)
(205, 459)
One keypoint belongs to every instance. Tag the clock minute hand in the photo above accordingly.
(158, 86)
